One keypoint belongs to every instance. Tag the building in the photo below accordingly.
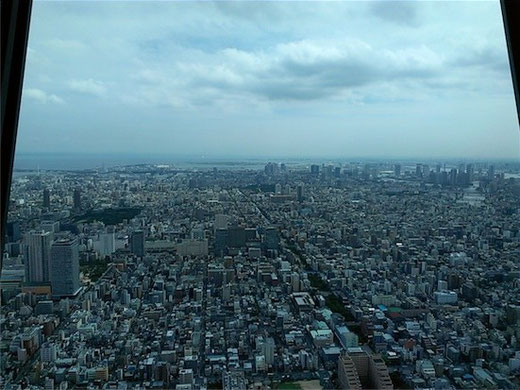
(37, 246)
(271, 238)
(65, 267)
(106, 244)
(445, 297)
(46, 198)
(233, 380)
(192, 247)
(358, 369)
(137, 243)
(13, 231)
(48, 352)
(77, 199)
(236, 237)
(347, 338)
(268, 347)
(347, 374)
(299, 193)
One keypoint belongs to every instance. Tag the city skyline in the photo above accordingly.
(324, 276)
(398, 81)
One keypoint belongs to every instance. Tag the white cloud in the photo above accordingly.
(89, 86)
(42, 96)
(64, 44)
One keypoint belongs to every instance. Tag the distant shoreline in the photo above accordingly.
(77, 162)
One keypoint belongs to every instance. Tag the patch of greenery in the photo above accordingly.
(94, 269)
(109, 216)
(336, 305)
(318, 283)
(289, 386)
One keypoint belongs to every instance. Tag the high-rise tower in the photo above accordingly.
(65, 267)
(37, 246)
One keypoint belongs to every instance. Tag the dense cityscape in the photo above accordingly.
(293, 276)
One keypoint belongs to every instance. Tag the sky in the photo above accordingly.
(262, 79)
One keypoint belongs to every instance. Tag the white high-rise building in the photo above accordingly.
(107, 243)
(268, 347)
(48, 352)
(37, 246)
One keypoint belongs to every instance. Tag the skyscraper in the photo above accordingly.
(299, 192)
(65, 267)
(46, 198)
(37, 246)
(13, 231)
(77, 198)
(271, 238)
(419, 170)
(137, 243)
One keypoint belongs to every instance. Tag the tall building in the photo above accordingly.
(271, 168)
(419, 170)
(37, 247)
(271, 238)
(221, 241)
(347, 374)
(299, 193)
(137, 243)
(46, 198)
(358, 369)
(236, 237)
(106, 243)
(48, 352)
(13, 231)
(77, 198)
(65, 267)
(268, 346)
(397, 169)
(315, 169)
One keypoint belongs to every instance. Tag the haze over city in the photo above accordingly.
(262, 79)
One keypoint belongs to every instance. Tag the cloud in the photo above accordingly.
(293, 71)
(89, 86)
(42, 96)
(64, 44)
(398, 12)
(490, 57)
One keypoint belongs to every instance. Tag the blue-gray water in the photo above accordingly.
(91, 161)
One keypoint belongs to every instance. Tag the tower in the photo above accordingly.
(65, 267)
(37, 245)
(137, 243)
(77, 198)
(46, 198)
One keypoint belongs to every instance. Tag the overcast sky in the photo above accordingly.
(294, 79)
